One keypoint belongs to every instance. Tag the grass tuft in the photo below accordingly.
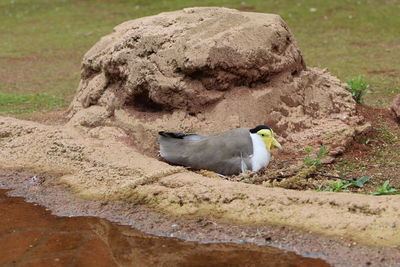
(386, 189)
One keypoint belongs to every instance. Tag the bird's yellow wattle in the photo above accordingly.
(269, 139)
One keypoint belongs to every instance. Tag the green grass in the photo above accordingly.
(43, 41)
(342, 186)
(11, 103)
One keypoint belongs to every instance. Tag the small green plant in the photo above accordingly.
(317, 160)
(386, 189)
(359, 182)
(342, 185)
(358, 87)
(334, 186)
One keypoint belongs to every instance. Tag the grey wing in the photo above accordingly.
(232, 166)
(194, 137)
(227, 153)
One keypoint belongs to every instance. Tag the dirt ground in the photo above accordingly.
(195, 228)
(197, 225)
(374, 153)
(95, 164)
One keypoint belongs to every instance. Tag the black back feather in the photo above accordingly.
(173, 134)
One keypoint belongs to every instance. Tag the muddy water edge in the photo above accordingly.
(30, 234)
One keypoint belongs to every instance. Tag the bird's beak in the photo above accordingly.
(276, 143)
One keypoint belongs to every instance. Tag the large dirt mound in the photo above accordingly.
(208, 70)
(186, 59)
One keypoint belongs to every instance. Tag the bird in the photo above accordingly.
(228, 153)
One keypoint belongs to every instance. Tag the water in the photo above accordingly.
(31, 236)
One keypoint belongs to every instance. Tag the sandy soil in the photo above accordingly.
(108, 170)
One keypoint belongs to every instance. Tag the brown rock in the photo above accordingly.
(395, 107)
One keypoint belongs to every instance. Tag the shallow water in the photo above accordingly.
(31, 236)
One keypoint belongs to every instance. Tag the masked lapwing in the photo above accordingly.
(227, 153)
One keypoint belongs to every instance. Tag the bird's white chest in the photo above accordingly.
(261, 155)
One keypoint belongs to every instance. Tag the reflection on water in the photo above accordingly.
(31, 236)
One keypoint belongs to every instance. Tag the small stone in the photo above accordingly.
(328, 160)
(34, 180)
